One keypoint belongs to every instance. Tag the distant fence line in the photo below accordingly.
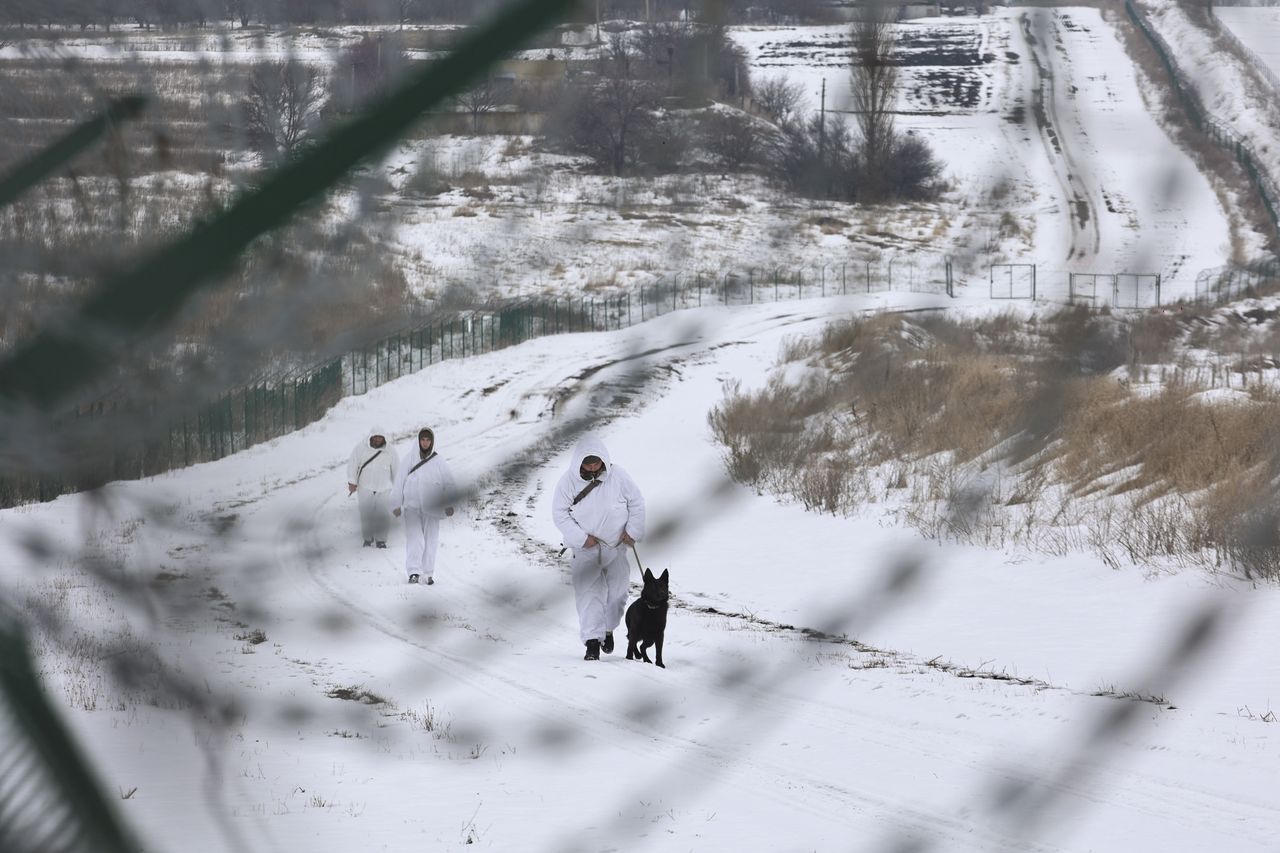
(1228, 283)
(1258, 62)
(283, 402)
(1200, 116)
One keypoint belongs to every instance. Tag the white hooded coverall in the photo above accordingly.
(601, 574)
(373, 483)
(423, 496)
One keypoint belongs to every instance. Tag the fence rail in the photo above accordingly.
(1225, 284)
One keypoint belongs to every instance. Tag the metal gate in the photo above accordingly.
(1013, 281)
(1085, 286)
(1136, 290)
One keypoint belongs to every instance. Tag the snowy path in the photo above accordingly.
(1038, 28)
(1130, 194)
(754, 737)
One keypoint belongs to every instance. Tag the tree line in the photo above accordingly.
(658, 98)
(678, 95)
(165, 14)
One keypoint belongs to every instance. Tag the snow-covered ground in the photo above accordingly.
(958, 714)
(831, 683)
(1037, 113)
(1041, 122)
(1258, 27)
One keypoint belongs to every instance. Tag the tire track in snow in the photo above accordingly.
(1086, 238)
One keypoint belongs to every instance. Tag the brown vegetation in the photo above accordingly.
(1040, 431)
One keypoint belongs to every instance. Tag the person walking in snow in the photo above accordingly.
(424, 490)
(599, 511)
(371, 474)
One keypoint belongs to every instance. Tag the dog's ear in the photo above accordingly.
(648, 575)
(663, 576)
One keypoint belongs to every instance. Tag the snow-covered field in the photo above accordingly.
(982, 700)
(831, 683)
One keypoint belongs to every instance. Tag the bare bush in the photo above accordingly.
(814, 156)
(912, 171)
(779, 97)
(733, 139)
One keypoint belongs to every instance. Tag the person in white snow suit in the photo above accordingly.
(599, 511)
(424, 490)
(371, 474)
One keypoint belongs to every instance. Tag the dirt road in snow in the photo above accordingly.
(1072, 173)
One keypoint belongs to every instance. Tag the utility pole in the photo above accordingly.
(822, 122)
(597, 21)
(648, 16)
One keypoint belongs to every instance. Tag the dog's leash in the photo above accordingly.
(639, 565)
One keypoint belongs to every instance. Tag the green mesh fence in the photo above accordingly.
(275, 405)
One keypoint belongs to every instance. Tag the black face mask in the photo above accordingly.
(590, 475)
(377, 442)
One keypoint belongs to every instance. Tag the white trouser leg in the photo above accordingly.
(381, 516)
(600, 585)
(618, 583)
(421, 539)
(375, 516)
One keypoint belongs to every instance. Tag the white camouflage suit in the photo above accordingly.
(601, 574)
(373, 482)
(425, 493)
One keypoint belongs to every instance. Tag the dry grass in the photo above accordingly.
(1000, 428)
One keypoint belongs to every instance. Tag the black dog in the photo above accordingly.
(647, 619)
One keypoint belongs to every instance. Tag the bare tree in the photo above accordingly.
(284, 100)
(779, 98)
(240, 10)
(874, 83)
(612, 114)
(479, 99)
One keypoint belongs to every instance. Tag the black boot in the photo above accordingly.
(593, 650)
(368, 542)
(382, 544)
(607, 645)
